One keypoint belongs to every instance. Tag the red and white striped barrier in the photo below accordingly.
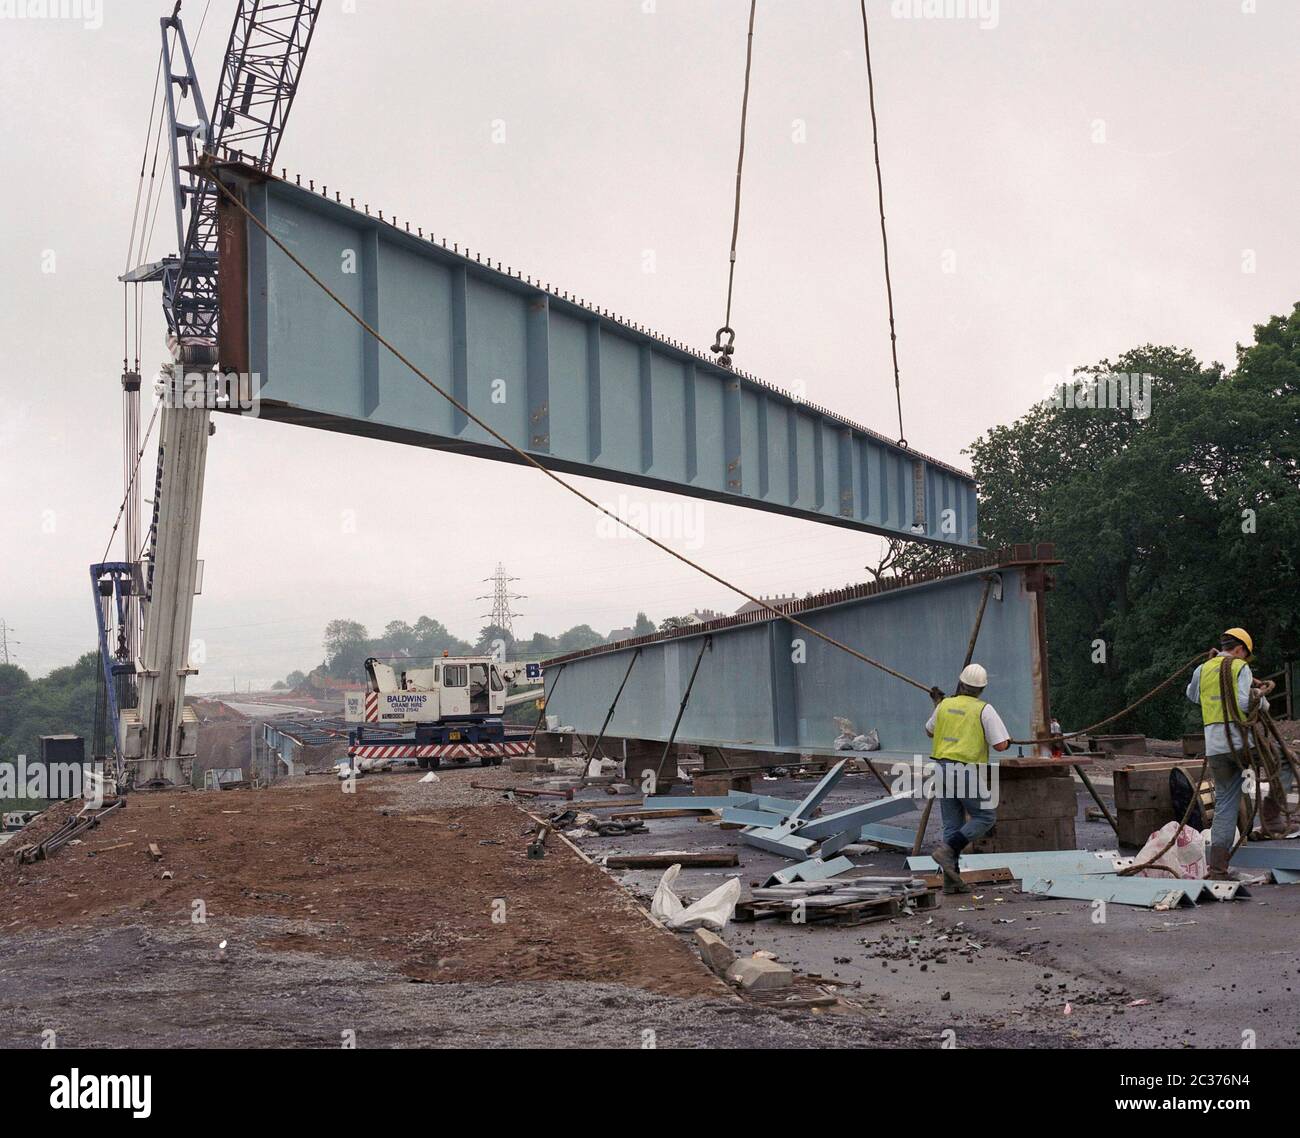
(435, 750)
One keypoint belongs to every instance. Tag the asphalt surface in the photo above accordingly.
(999, 967)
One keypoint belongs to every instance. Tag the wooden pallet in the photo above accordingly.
(854, 901)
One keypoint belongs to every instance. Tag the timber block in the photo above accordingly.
(647, 755)
(526, 764)
(1119, 744)
(1145, 786)
(717, 783)
(1036, 811)
(553, 744)
(1194, 744)
(1046, 799)
(1028, 834)
(1134, 827)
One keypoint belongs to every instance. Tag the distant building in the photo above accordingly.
(622, 633)
(776, 602)
(703, 616)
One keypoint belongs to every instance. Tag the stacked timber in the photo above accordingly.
(1143, 802)
(1037, 805)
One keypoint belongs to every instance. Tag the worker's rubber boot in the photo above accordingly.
(947, 861)
(1218, 870)
(1273, 822)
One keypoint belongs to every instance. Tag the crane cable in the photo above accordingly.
(528, 459)
(131, 484)
(144, 159)
(884, 236)
(725, 348)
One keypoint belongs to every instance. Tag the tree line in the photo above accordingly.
(347, 645)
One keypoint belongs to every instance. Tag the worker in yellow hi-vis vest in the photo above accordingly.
(1204, 690)
(963, 728)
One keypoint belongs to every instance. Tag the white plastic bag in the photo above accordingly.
(844, 740)
(713, 910)
(1185, 858)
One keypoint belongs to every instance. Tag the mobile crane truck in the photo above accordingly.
(452, 711)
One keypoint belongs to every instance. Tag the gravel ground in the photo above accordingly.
(148, 984)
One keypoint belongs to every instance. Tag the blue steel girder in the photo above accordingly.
(582, 391)
(742, 699)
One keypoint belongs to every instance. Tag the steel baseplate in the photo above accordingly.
(815, 869)
(880, 835)
(1028, 866)
(1267, 855)
(1145, 892)
(741, 817)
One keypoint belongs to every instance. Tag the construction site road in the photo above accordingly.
(407, 913)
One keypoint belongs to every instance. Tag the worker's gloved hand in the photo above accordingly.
(936, 694)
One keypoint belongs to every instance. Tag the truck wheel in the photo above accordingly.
(485, 761)
(498, 760)
(434, 763)
(423, 764)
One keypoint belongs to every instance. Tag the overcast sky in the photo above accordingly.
(1065, 179)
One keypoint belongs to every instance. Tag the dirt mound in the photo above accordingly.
(214, 711)
(447, 894)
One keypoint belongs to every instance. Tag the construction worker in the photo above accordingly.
(963, 727)
(1204, 690)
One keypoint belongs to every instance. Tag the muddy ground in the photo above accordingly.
(372, 914)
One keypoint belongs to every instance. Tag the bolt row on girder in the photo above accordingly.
(581, 302)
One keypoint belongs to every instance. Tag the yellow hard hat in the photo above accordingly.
(1242, 635)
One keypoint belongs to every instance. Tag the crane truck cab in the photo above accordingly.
(452, 708)
(455, 687)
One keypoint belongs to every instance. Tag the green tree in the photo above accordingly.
(539, 647)
(432, 638)
(495, 641)
(643, 626)
(62, 703)
(346, 648)
(399, 637)
(1172, 526)
(577, 638)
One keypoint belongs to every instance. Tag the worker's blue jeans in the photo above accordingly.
(1227, 799)
(972, 816)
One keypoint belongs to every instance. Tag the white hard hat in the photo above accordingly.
(973, 675)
